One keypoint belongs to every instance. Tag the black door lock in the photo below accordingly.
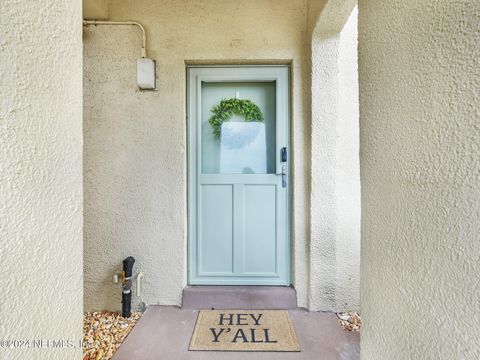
(283, 154)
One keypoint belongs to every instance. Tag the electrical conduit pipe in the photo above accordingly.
(105, 22)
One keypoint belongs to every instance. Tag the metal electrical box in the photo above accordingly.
(146, 79)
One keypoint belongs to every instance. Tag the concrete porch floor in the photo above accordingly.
(164, 332)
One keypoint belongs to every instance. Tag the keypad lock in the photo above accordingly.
(283, 159)
(283, 154)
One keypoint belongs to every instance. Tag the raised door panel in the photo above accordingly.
(215, 227)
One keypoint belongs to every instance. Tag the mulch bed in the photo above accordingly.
(350, 321)
(104, 331)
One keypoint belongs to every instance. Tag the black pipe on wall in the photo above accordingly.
(127, 287)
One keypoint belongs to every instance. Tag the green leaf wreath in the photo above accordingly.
(229, 107)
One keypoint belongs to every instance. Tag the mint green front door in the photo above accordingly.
(238, 178)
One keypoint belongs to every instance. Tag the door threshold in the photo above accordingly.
(197, 297)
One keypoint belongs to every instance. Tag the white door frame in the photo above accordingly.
(195, 76)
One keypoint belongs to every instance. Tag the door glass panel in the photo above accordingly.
(242, 147)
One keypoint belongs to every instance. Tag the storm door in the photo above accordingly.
(238, 142)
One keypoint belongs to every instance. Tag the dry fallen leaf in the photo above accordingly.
(99, 354)
(350, 321)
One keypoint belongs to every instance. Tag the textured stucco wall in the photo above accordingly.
(347, 172)
(95, 9)
(41, 176)
(335, 184)
(135, 142)
(420, 143)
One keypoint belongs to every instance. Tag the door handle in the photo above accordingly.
(284, 176)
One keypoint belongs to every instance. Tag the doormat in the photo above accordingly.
(244, 330)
